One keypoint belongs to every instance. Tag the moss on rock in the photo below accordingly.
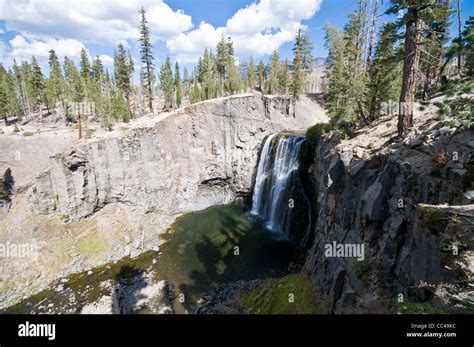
(292, 294)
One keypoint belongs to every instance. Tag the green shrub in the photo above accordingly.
(457, 112)
(16, 129)
(314, 133)
(27, 133)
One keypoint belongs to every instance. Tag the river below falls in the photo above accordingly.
(201, 251)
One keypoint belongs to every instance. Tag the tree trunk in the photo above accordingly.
(372, 35)
(410, 67)
(79, 123)
(459, 35)
(427, 85)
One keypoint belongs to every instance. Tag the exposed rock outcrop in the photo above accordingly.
(202, 156)
(414, 252)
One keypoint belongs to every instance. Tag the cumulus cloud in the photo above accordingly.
(22, 49)
(257, 29)
(106, 60)
(106, 22)
(188, 46)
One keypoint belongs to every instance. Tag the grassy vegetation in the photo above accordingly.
(407, 307)
(457, 110)
(86, 287)
(92, 244)
(435, 220)
(292, 294)
(361, 268)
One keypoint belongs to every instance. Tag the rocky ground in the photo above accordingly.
(410, 203)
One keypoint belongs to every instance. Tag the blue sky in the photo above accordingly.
(180, 28)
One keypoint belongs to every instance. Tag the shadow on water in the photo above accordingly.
(233, 247)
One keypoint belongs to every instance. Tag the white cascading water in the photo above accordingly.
(278, 184)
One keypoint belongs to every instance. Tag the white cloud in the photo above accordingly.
(189, 46)
(23, 49)
(257, 29)
(106, 60)
(166, 23)
(269, 14)
(106, 22)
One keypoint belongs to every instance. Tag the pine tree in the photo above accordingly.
(178, 85)
(306, 47)
(297, 77)
(123, 71)
(148, 73)
(85, 65)
(13, 104)
(251, 74)
(416, 13)
(205, 76)
(55, 83)
(185, 76)
(20, 89)
(120, 109)
(432, 41)
(225, 62)
(234, 82)
(167, 83)
(74, 85)
(468, 45)
(283, 78)
(272, 81)
(385, 71)
(261, 75)
(97, 69)
(3, 95)
(37, 84)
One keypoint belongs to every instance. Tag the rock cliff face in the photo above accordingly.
(391, 200)
(203, 156)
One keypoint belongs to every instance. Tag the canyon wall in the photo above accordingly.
(199, 157)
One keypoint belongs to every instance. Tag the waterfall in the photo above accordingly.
(279, 197)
